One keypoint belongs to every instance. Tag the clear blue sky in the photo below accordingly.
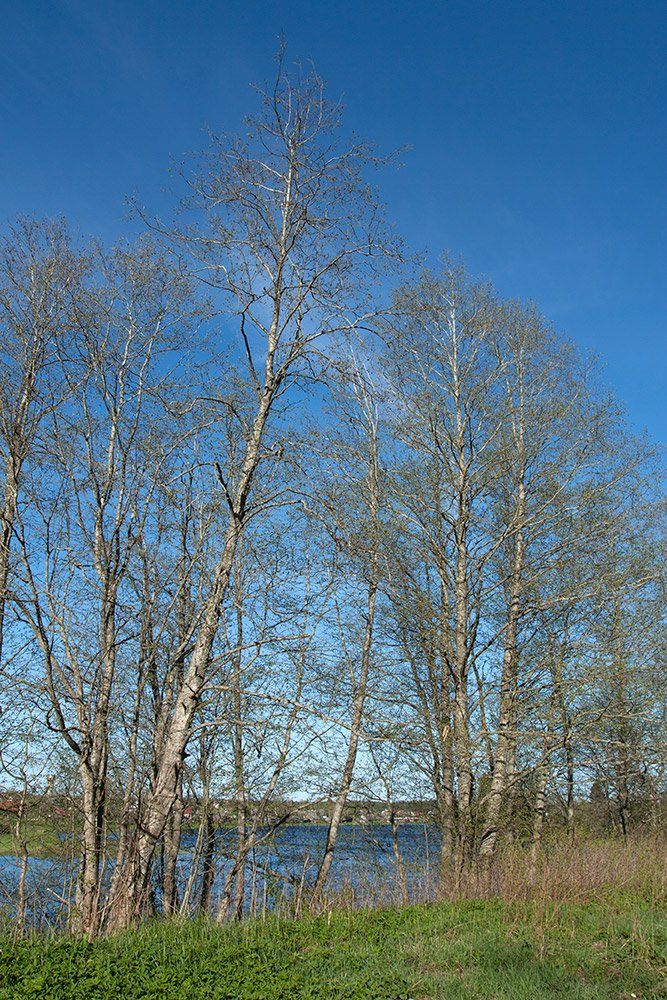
(537, 134)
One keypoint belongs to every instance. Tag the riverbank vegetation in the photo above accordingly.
(587, 923)
(295, 530)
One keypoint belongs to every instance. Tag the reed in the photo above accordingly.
(562, 871)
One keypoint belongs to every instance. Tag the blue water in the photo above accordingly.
(363, 867)
(277, 873)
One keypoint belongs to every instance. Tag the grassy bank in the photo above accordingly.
(470, 949)
(41, 837)
(585, 921)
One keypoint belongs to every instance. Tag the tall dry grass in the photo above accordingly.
(562, 871)
(606, 896)
(574, 871)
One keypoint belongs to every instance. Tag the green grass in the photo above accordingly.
(587, 920)
(469, 949)
(41, 837)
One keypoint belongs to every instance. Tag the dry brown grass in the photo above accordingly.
(574, 871)
(563, 871)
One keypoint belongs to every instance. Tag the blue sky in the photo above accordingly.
(536, 132)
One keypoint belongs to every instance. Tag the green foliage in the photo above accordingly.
(472, 948)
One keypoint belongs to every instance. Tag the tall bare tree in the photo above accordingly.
(446, 382)
(89, 512)
(285, 230)
(40, 275)
(353, 480)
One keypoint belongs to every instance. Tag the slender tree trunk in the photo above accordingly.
(393, 822)
(360, 687)
(446, 805)
(7, 520)
(208, 862)
(621, 735)
(567, 734)
(622, 792)
(569, 779)
(353, 742)
(165, 791)
(508, 687)
(445, 795)
(127, 813)
(22, 846)
(88, 887)
(239, 777)
(170, 847)
(463, 639)
(539, 807)
(461, 706)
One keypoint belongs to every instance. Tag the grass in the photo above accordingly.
(428, 952)
(587, 922)
(445, 951)
(42, 839)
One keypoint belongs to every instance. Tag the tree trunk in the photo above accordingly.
(208, 863)
(87, 917)
(353, 742)
(170, 847)
(508, 692)
(540, 804)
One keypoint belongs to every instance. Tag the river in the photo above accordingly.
(278, 872)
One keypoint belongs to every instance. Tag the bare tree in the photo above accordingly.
(40, 275)
(285, 227)
(619, 721)
(507, 446)
(88, 515)
(545, 447)
(445, 381)
(354, 521)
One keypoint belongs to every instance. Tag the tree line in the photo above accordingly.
(284, 516)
